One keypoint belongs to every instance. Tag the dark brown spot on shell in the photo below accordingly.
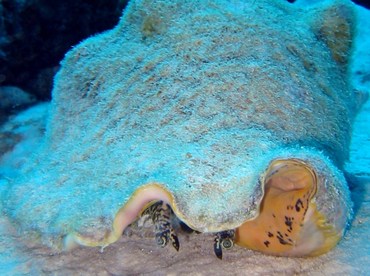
(267, 243)
(299, 205)
(288, 222)
(282, 241)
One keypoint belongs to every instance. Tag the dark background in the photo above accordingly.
(35, 35)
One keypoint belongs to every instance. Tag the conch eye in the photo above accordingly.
(288, 222)
(161, 240)
(227, 243)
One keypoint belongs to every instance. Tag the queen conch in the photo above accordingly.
(234, 117)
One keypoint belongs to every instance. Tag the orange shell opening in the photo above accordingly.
(288, 223)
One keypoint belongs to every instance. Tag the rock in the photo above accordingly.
(13, 98)
(20, 135)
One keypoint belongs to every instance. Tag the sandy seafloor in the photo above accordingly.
(136, 255)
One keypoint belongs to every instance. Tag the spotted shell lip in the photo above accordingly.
(288, 221)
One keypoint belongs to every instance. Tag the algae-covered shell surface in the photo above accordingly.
(236, 114)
